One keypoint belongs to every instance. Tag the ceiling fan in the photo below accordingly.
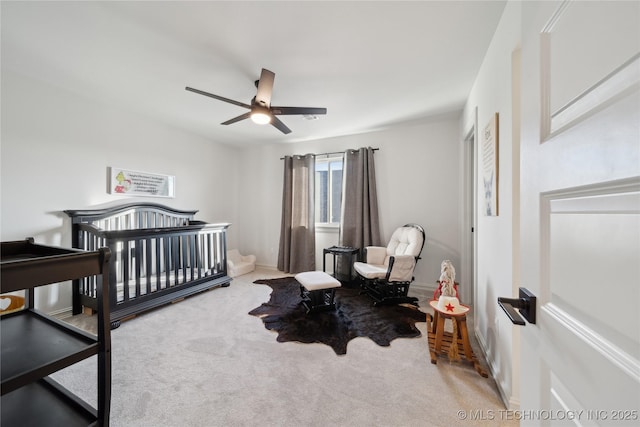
(261, 110)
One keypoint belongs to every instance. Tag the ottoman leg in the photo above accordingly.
(319, 300)
(331, 294)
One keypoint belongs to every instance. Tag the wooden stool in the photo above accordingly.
(440, 341)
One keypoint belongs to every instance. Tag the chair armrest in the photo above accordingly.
(401, 268)
(230, 264)
(376, 255)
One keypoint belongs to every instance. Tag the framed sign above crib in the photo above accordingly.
(125, 182)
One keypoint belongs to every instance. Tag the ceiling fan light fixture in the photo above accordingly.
(260, 117)
(260, 114)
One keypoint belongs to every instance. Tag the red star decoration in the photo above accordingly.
(449, 307)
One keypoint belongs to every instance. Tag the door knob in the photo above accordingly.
(526, 305)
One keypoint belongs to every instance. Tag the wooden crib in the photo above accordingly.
(159, 255)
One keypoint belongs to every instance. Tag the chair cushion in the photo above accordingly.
(405, 241)
(316, 280)
(376, 255)
(403, 267)
(370, 271)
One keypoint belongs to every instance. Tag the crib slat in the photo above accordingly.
(167, 260)
(207, 239)
(199, 266)
(192, 256)
(216, 252)
(176, 259)
(186, 258)
(138, 259)
(158, 255)
(148, 271)
(125, 254)
(212, 239)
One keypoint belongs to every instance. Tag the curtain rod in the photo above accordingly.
(327, 154)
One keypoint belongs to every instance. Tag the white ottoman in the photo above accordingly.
(317, 290)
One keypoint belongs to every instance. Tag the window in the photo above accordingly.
(328, 190)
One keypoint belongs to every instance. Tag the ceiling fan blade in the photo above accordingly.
(265, 88)
(237, 119)
(282, 111)
(220, 98)
(281, 126)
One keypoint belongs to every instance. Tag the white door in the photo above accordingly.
(580, 212)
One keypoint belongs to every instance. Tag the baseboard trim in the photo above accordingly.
(508, 401)
(428, 288)
(268, 267)
(62, 314)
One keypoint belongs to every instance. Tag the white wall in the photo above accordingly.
(417, 172)
(56, 147)
(498, 236)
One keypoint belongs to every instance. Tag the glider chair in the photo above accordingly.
(387, 272)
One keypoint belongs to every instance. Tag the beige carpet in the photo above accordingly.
(206, 362)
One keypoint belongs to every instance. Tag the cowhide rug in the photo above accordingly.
(353, 317)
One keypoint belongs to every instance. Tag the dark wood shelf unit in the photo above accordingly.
(46, 403)
(35, 345)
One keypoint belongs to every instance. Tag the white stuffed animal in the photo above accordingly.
(447, 279)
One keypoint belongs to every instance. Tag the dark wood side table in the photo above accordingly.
(347, 253)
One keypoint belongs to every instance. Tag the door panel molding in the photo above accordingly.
(607, 91)
(573, 299)
(565, 400)
(584, 98)
(613, 353)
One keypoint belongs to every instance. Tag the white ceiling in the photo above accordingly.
(372, 64)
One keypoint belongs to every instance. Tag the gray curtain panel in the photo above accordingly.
(297, 232)
(359, 224)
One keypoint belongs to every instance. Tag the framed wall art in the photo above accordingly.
(490, 168)
(127, 182)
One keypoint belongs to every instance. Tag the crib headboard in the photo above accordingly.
(132, 216)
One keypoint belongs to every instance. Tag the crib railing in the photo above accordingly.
(156, 257)
(149, 260)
